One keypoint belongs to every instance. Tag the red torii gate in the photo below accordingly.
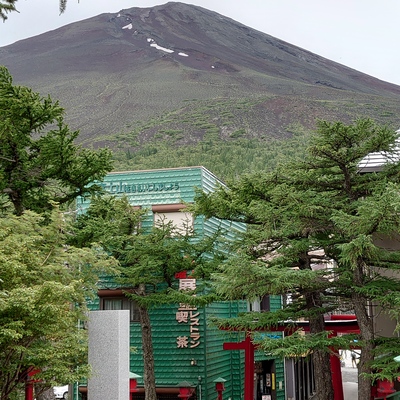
(343, 324)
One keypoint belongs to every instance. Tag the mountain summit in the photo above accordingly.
(114, 70)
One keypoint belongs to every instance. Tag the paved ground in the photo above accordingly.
(350, 385)
(350, 391)
(349, 378)
(349, 374)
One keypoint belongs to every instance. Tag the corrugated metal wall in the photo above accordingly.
(207, 361)
(221, 363)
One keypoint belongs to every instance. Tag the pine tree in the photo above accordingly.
(363, 207)
(6, 7)
(319, 210)
(149, 258)
(40, 163)
(41, 278)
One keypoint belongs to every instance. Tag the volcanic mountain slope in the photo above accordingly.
(181, 70)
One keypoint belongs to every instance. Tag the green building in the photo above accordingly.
(185, 347)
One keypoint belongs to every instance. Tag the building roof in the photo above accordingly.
(374, 162)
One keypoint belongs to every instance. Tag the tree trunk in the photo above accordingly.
(323, 375)
(366, 333)
(321, 358)
(148, 356)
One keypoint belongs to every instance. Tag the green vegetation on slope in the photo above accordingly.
(231, 136)
(213, 134)
(227, 160)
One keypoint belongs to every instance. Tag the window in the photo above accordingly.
(260, 304)
(182, 221)
(116, 300)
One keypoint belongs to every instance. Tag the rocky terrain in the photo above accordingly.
(181, 73)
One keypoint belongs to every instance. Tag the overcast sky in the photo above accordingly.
(361, 34)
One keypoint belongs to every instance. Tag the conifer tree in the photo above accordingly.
(149, 258)
(322, 210)
(41, 278)
(40, 163)
(7, 6)
(275, 256)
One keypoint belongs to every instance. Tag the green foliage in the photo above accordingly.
(43, 282)
(213, 133)
(238, 133)
(7, 6)
(39, 162)
(147, 256)
(317, 211)
(299, 344)
(383, 365)
(227, 159)
(43, 286)
(148, 260)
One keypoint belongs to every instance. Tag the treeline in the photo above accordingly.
(226, 159)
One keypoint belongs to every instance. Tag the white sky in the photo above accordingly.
(361, 34)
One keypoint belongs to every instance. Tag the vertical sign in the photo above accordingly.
(188, 315)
